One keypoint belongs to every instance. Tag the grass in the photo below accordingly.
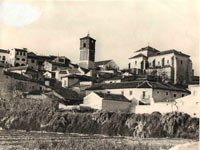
(91, 144)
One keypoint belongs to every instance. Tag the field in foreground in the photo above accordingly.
(37, 140)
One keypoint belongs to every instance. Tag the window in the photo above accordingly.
(0, 56)
(17, 58)
(84, 44)
(4, 58)
(167, 61)
(135, 62)
(143, 94)
(163, 61)
(166, 93)
(174, 95)
(181, 62)
(61, 60)
(32, 60)
(183, 95)
(108, 92)
(157, 92)
(122, 92)
(20, 53)
(23, 59)
(130, 92)
(24, 54)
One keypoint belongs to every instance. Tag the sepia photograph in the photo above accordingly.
(99, 74)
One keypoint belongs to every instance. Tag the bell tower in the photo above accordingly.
(87, 52)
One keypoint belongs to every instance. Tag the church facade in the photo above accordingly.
(171, 65)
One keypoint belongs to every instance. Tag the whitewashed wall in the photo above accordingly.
(160, 107)
(159, 94)
(138, 64)
(93, 101)
(190, 104)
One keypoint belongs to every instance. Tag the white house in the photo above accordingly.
(115, 79)
(4, 56)
(76, 80)
(18, 57)
(141, 90)
(107, 65)
(105, 101)
(190, 104)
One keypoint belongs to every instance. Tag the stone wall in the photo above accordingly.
(11, 87)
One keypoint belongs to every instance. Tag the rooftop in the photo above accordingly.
(73, 71)
(114, 97)
(168, 52)
(148, 48)
(87, 37)
(4, 51)
(57, 64)
(80, 77)
(139, 55)
(137, 84)
(104, 62)
(84, 70)
(20, 68)
(21, 49)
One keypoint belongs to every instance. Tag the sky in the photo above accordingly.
(54, 27)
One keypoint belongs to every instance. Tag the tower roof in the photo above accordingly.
(87, 37)
(148, 48)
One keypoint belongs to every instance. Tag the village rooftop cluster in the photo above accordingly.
(154, 80)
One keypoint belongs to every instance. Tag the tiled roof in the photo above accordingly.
(168, 52)
(73, 71)
(85, 70)
(63, 72)
(114, 97)
(87, 37)
(129, 78)
(31, 54)
(104, 62)
(137, 84)
(4, 51)
(68, 94)
(21, 68)
(18, 49)
(113, 78)
(57, 64)
(139, 55)
(17, 68)
(148, 48)
(80, 77)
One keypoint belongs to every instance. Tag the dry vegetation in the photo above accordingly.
(26, 114)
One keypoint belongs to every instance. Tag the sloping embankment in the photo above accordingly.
(42, 116)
